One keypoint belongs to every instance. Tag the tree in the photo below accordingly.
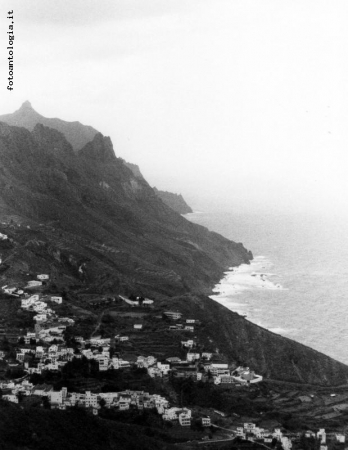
(46, 403)
(21, 341)
(102, 402)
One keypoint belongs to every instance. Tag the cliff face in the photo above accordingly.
(89, 208)
(112, 218)
(174, 201)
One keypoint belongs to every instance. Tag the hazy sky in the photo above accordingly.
(233, 103)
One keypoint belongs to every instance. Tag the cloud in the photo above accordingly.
(67, 13)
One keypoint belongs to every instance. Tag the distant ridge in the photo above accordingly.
(75, 132)
(174, 201)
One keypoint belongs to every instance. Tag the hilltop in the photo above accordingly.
(75, 132)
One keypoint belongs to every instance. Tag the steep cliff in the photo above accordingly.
(174, 201)
(89, 208)
(131, 236)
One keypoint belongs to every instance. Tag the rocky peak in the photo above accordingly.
(26, 105)
(100, 148)
(77, 134)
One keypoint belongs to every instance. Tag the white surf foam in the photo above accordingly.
(247, 277)
(253, 276)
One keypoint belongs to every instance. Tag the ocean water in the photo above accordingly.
(297, 285)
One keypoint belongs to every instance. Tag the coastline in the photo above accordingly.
(253, 277)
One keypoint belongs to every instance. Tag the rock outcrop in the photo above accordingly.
(174, 201)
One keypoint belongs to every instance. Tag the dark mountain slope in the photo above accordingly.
(269, 354)
(43, 429)
(174, 201)
(94, 196)
(89, 208)
(76, 133)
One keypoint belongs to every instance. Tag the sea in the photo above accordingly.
(297, 284)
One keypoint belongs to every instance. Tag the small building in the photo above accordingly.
(10, 398)
(321, 435)
(58, 300)
(138, 326)
(206, 421)
(174, 315)
(147, 302)
(341, 438)
(34, 283)
(43, 277)
(184, 417)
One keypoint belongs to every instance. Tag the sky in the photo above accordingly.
(239, 105)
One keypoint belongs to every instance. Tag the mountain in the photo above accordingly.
(135, 169)
(117, 222)
(77, 134)
(97, 228)
(174, 201)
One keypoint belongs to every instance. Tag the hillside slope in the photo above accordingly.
(125, 231)
(95, 226)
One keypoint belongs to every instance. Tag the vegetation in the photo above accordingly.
(42, 429)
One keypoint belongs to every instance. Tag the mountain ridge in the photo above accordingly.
(76, 133)
(89, 208)
(174, 201)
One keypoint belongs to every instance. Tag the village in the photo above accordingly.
(44, 349)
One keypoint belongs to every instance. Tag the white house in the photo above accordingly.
(188, 344)
(147, 302)
(206, 421)
(10, 398)
(39, 306)
(321, 435)
(40, 317)
(58, 300)
(192, 356)
(138, 326)
(185, 417)
(341, 438)
(34, 283)
(43, 277)
(171, 413)
(103, 362)
(164, 368)
(26, 302)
